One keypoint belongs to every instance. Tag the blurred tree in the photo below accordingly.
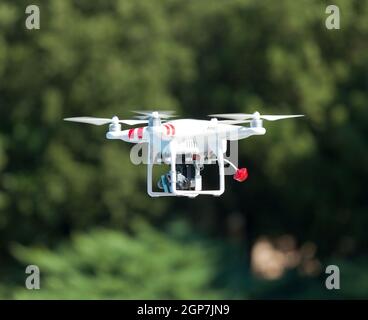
(306, 176)
(100, 58)
(105, 264)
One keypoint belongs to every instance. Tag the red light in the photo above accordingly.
(241, 174)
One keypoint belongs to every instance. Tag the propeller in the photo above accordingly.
(254, 116)
(234, 121)
(154, 114)
(102, 121)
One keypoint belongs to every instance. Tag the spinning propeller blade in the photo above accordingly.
(102, 121)
(234, 121)
(155, 114)
(255, 115)
(280, 117)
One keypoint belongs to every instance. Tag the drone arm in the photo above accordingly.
(173, 167)
(246, 132)
(193, 193)
(117, 135)
(130, 136)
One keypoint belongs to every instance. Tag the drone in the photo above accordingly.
(186, 145)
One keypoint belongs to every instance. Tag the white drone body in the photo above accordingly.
(186, 145)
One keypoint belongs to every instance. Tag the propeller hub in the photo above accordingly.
(256, 123)
(256, 115)
(115, 126)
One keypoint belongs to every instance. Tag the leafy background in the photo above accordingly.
(73, 203)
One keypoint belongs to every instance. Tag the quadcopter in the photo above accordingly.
(186, 145)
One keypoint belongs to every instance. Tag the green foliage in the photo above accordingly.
(105, 264)
(100, 58)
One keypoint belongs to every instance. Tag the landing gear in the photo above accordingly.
(186, 163)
